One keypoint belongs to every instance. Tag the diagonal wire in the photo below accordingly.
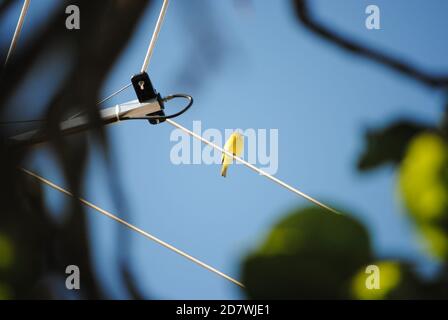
(133, 227)
(254, 168)
(18, 30)
(115, 93)
(104, 100)
(155, 35)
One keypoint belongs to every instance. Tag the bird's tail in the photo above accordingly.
(224, 170)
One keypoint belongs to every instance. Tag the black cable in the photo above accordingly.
(160, 118)
(174, 115)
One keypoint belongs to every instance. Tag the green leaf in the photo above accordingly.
(309, 254)
(389, 144)
(396, 280)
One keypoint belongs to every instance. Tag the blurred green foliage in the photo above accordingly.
(423, 178)
(388, 145)
(391, 275)
(397, 280)
(309, 254)
(314, 254)
(6, 252)
(4, 292)
(423, 183)
(6, 261)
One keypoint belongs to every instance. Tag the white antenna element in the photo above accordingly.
(155, 36)
(18, 30)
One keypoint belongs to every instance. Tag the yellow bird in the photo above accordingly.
(234, 145)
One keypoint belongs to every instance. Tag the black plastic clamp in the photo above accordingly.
(145, 92)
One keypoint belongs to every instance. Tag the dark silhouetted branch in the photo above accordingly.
(306, 18)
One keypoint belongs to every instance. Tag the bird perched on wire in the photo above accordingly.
(234, 145)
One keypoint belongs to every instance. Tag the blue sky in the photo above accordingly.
(272, 74)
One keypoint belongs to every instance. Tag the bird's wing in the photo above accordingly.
(238, 145)
(228, 146)
(234, 145)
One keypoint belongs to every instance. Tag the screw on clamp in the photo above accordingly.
(145, 92)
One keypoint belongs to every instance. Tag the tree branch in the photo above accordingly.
(306, 18)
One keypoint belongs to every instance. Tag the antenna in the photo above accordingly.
(18, 30)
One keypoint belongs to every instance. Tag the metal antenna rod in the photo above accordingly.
(18, 30)
(155, 35)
